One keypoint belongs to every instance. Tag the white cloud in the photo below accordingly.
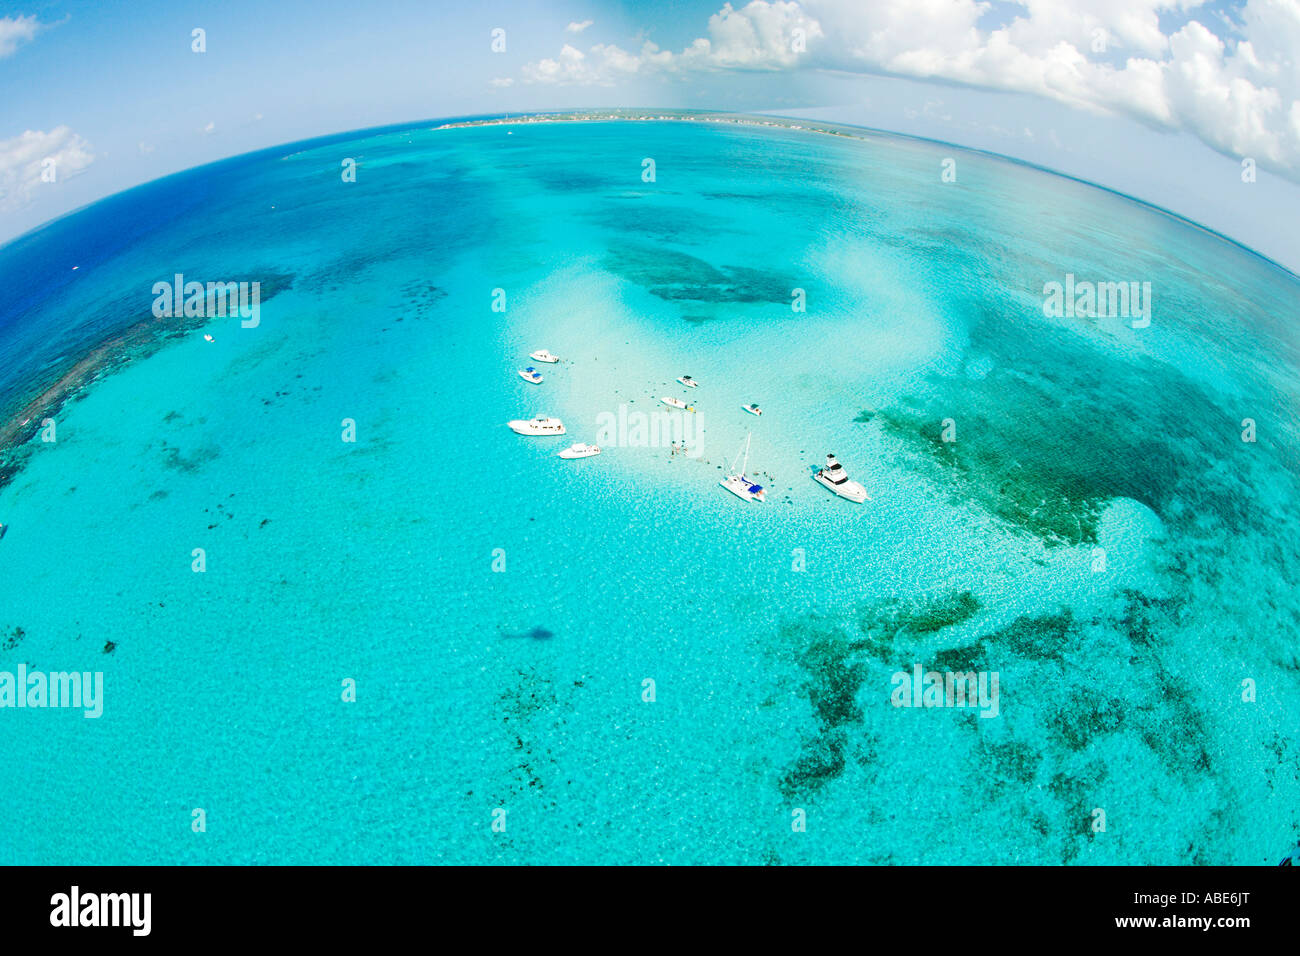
(15, 31)
(210, 128)
(24, 158)
(1238, 89)
(502, 81)
(145, 148)
(576, 27)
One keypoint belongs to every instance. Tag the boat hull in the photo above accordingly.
(532, 428)
(848, 490)
(740, 488)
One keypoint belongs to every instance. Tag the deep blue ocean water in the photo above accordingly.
(1098, 534)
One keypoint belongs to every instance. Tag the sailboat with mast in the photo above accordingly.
(737, 483)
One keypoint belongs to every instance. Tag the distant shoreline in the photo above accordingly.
(653, 116)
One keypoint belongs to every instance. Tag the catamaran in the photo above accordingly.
(834, 477)
(537, 426)
(738, 484)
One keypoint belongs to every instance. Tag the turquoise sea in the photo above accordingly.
(1098, 534)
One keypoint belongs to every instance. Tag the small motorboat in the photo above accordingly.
(208, 338)
(677, 403)
(541, 355)
(689, 382)
(580, 450)
(537, 426)
(834, 477)
(531, 374)
(752, 408)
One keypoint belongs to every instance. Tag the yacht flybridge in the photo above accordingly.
(541, 355)
(537, 426)
(834, 477)
(738, 484)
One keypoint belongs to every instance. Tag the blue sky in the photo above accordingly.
(1157, 98)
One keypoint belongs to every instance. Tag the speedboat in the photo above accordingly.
(537, 426)
(541, 355)
(531, 374)
(677, 403)
(752, 408)
(738, 484)
(580, 450)
(836, 479)
(208, 338)
(689, 382)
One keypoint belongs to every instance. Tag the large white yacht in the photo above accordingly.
(738, 484)
(834, 477)
(537, 426)
(541, 355)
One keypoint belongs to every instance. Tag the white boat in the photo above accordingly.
(834, 477)
(676, 403)
(541, 355)
(689, 382)
(580, 450)
(537, 426)
(531, 374)
(738, 484)
(752, 408)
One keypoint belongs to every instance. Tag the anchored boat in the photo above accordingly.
(836, 479)
(580, 450)
(531, 374)
(541, 355)
(738, 484)
(537, 426)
